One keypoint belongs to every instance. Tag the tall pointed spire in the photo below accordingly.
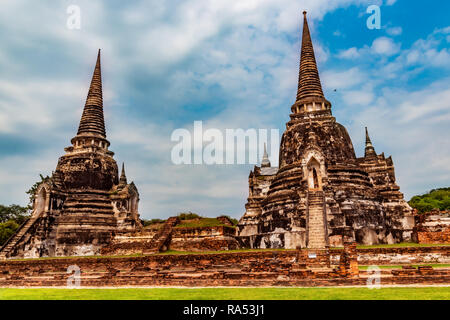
(309, 85)
(265, 162)
(370, 150)
(92, 121)
(123, 178)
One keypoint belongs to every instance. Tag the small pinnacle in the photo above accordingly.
(265, 162)
(123, 177)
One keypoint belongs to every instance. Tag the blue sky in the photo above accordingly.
(231, 64)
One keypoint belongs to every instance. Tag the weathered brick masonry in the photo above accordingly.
(433, 227)
(212, 238)
(262, 268)
(407, 255)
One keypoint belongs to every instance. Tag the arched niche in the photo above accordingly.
(41, 201)
(314, 171)
(314, 176)
(134, 202)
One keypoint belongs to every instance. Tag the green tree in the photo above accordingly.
(435, 199)
(14, 213)
(7, 229)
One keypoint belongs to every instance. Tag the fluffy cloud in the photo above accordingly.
(350, 53)
(385, 46)
(394, 31)
(343, 79)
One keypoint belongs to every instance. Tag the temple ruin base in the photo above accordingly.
(285, 268)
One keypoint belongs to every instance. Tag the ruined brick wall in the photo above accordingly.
(433, 227)
(399, 256)
(264, 268)
(179, 239)
(433, 237)
(204, 239)
(127, 244)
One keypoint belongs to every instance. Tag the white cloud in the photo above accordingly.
(427, 52)
(351, 53)
(380, 46)
(394, 31)
(358, 97)
(385, 46)
(342, 79)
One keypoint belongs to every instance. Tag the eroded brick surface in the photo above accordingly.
(265, 268)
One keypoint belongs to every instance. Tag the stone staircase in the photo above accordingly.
(94, 202)
(9, 245)
(316, 228)
(162, 238)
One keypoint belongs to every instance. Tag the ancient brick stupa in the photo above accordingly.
(84, 203)
(322, 194)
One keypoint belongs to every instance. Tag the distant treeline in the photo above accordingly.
(435, 199)
(11, 217)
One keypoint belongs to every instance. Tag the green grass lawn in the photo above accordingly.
(425, 293)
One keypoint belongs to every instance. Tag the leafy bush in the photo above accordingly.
(188, 216)
(200, 223)
(435, 199)
(152, 221)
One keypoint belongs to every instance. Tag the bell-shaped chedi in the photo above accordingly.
(83, 205)
(88, 164)
(322, 194)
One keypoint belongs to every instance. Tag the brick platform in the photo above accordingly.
(265, 268)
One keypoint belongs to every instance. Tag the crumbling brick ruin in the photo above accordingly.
(322, 194)
(432, 227)
(251, 268)
(84, 204)
(171, 236)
